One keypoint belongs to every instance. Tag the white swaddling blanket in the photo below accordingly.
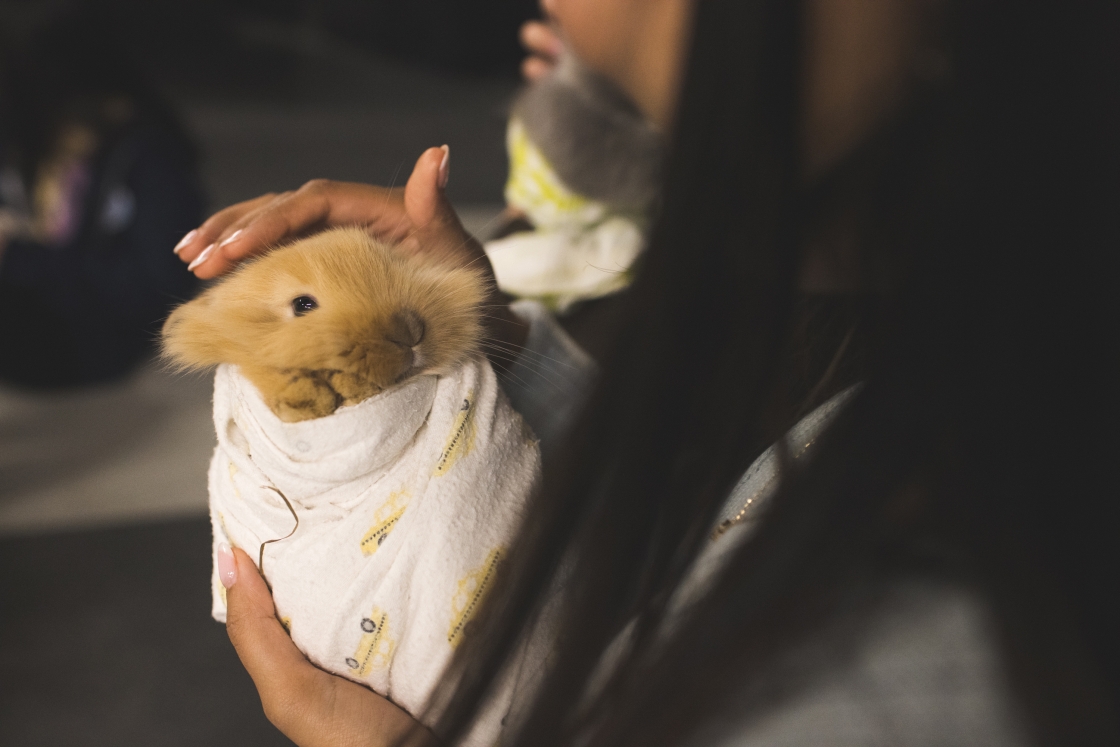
(406, 504)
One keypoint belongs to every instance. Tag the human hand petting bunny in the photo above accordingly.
(418, 219)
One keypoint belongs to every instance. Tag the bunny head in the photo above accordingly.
(329, 321)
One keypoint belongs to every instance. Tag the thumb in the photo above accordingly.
(425, 201)
(309, 705)
(264, 647)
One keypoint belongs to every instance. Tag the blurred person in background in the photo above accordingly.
(97, 182)
(889, 231)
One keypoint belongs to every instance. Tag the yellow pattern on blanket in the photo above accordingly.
(469, 593)
(375, 649)
(384, 519)
(461, 440)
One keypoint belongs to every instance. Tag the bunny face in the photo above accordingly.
(329, 321)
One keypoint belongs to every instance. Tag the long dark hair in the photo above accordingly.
(978, 449)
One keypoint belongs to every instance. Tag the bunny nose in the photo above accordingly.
(406, 329)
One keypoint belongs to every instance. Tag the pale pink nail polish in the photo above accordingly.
(202, 257)
(232, 237)
(185, 240)
(227, 566)
(445, 166)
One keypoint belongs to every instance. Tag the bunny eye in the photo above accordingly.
(303, 304)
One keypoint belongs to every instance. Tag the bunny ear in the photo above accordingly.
(193, 336)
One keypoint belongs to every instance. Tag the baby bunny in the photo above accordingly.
(367, 457)
(330, 321)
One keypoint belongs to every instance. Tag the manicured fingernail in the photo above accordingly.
(202, 257)
(227, 566)
(232, 237)
(445, 166)
(185, 240)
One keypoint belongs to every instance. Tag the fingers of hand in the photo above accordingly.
(252, 227)
(425, 201)
(192, 245)
(544, 47)
(420, 218)
(286, 216)
(541, 40)
(380, 211)
(289, 686)
(535, 68)
(437, 231)
(264, 647)
(322, 203)
(309, 705)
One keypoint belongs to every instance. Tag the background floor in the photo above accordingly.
(106, 640)
(105, 634)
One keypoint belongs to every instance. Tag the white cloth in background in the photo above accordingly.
(560, 266)
(579, 249)
(407, 502)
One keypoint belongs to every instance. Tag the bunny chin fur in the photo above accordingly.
(382, 317)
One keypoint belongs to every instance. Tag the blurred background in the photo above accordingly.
(124, 122)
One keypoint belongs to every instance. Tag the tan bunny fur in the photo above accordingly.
(382, 317)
